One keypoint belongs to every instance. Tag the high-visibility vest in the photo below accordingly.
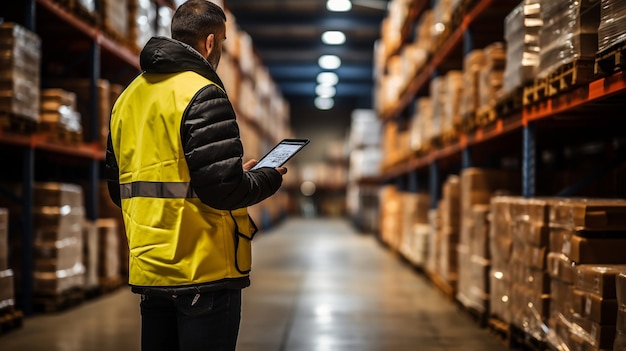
(174, 239)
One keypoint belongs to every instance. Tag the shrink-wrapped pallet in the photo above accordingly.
(472, 64)
(612, 28)
(108, 244)
(82, 89)
(7, 290)
(115, 17)
(143, 19)
(420, 124)
(491, 75)
(438, 101)
(59, 113)
(4, 239)
(569, 33)
(20, 61)
(415, 226)
(521, 33)
(58, 217)
(451, 118)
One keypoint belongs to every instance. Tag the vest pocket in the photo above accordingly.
(244, 232)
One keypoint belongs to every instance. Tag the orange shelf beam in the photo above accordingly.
(39, 142)
(90, 31)
(596, 90)
(499, 128)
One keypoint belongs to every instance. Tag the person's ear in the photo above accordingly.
(209, 44)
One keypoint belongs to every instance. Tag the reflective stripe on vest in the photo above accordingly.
(160, 190)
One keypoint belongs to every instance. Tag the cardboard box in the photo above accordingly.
(7, 290)
(560, 267)
(20, 75)
(620, 284)
(590, 214)
(595, 250)
(4, 239)
(599, 280)
(594, 307)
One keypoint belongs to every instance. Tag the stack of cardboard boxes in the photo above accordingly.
(7, 292)
(20, 61)
(59, 215)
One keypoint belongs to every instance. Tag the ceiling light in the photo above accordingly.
(325, 91)
(324, 103)
(333, 37)
(327, 78)
(339, 5)
(329, 62)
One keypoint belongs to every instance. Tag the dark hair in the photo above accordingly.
(194, 20)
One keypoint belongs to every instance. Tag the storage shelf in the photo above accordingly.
(595, 91)
(425, 74)
(586, 97)
(128, 56)
(39, 142)
(415, 10)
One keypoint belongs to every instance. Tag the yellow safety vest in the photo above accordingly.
(174, 239)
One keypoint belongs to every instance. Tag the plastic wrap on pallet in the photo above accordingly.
(20, 60)
(441, 18)
(491, 76)
(89, 5)
(164, 21)
(612, 29)
(569, 32)
(438, 99)
(419, 125)
(521, 33)
(145, 18)
(451, 118)
(4, 239)
(472, 64)
(7, 291)
(115, 16)
(58, 246)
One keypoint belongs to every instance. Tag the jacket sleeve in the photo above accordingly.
(213, 150)
(112, 173)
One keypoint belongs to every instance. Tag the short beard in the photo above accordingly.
(214, 60)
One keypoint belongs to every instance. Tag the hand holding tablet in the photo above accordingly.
(281, 153)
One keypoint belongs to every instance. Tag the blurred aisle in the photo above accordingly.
(316, 286)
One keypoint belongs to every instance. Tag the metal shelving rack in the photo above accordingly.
(524, 123)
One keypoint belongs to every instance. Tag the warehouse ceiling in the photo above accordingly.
(286, 35)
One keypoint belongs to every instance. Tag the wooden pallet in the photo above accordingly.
(57, 133)
(525, 341)
(536, 91)
(448, 289)
(570, 76)
(611, 60)
(480, 317)
(17, 124)
(485, 116)
(10, 319)
(450, 137)
(501, 331)
(510, 103)
(59, 302)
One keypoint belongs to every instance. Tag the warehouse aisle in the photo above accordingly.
(316, 286)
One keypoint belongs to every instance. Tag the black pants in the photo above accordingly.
(207, 321)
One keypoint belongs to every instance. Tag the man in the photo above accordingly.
(174, 165)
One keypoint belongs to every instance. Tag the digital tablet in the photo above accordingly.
(281, 153)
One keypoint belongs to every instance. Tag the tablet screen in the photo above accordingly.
(281, 153)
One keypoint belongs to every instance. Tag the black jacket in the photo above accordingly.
(209, 135)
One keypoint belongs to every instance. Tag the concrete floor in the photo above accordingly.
(316, 286)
